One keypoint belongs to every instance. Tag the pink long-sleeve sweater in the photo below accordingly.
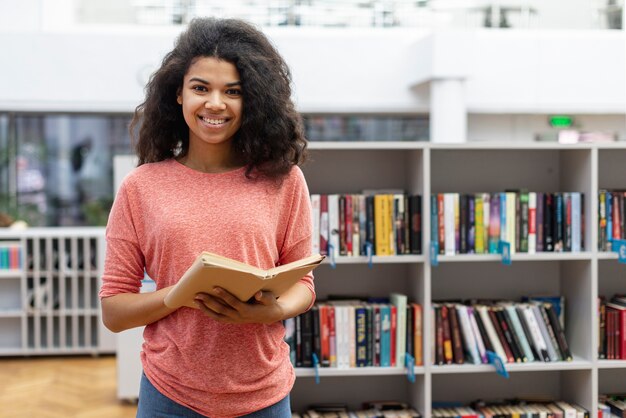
(164, 215)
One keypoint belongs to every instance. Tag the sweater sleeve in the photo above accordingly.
(124, 262)
(297, 242)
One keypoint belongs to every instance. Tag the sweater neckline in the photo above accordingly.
(230, 173)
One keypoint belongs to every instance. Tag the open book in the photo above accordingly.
(241, 279)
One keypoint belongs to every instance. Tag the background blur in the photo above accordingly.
(72, 72)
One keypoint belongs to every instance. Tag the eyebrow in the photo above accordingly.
(201, 80)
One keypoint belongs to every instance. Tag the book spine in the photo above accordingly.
(385, 335)
(480, 227)
(382, 238)
(468, 336)
(511, 235)
(491, 332)
(406, 225)
(417, 332)
(539, 222)
(548, 215)
(471, 224)
(324, 336)
(315, 222)
(517, 327)
(390, 221)
(434, 219)
(343, 249)
(554, 355)
(351, 332)
(486, 220)
(524, 199)
(356, 226)
(482, 330)
(371, 222)
(441, 223)
(500, 333)
(567, 227)
(559, 222)
(333, 225)
(415, 204)
(602, 220)
(477, 335)
(349, 218)
(532, 222)
(363, 234)
(332, 335)
(410, 332)
(455, 332)
(450, 240)
(558, 330)
(324, 234)
(463, 223)
(494, 223)
(507, 334)
(446, 337)
(576, 223)
(316, 332)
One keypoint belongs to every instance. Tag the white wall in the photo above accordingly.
(366, 70)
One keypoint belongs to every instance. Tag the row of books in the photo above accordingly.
(357, 333)
(359, 224)
(529, 221)
(516, 332)
(611, 217)
(612, 405)
(374, 409)
(612, 328)
(10, 257)
(512, 409)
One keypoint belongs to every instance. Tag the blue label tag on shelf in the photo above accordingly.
(316, 368)
(433, 253)
(369, 249)
(496, 361)
(409, 361)
(619, 246)
(504, 248)
(331, 255)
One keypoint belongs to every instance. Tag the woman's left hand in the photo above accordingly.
(222, 306)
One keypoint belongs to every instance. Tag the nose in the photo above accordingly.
(214, 101)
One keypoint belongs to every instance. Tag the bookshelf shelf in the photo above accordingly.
(356, 371)
(576, 364)
(400, 259)
(514, 257)
(11, 313)
(10, 274)
(611, 364)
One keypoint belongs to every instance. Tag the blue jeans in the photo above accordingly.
(153, 404)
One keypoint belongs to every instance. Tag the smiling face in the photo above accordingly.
(211, 102)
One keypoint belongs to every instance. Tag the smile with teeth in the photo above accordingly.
(212, 121)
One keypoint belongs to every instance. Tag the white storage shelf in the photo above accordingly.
(473, 168)
(50, 304)
(425, 168)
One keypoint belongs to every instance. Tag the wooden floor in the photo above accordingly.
(79, 387)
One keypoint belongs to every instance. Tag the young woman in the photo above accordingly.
(219, 144)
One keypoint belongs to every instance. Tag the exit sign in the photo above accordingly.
(561, 121)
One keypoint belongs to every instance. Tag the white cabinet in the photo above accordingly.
(49, 293)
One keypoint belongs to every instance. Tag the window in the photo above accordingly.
(59, 173)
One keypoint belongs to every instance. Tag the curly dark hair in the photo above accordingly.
(271, 137)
